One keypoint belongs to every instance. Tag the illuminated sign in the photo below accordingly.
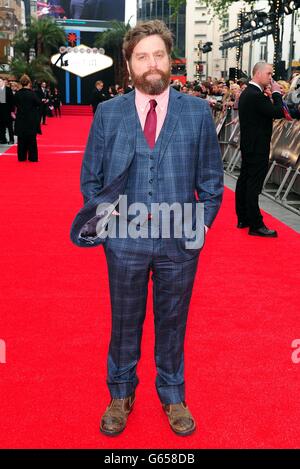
(81, 60)
(82, 9)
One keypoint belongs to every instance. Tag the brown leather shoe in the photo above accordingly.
(180, 418)
(114, 419)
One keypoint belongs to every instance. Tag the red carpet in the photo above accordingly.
(76, 110)
(241, 383)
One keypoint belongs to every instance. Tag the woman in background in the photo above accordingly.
(27, 120)
(56, 101)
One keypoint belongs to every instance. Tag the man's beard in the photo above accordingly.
(151, 87)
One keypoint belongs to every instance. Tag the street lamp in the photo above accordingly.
(205, 49)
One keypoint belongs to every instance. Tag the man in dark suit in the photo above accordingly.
(27, 120)
(256, 114)
(44, 96)
(6, 108)
(152, 146)
(98, 95)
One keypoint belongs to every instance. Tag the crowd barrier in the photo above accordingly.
(282, 182)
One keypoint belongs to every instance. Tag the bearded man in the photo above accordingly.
(153, 145)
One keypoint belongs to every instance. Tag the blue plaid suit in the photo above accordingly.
(186, 160)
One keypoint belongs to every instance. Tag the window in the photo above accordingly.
(159, 7)
(263, 51)
(225, 22)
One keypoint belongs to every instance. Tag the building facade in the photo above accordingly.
(202, 27)
(131, 12)
(11, 19)
(160, 9)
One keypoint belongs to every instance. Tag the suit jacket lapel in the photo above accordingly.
(174, 109)
(130, 118)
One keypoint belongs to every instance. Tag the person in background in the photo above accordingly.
(27, 120)
(284, 87)
(111, 92)
(76, 8)
(6, 108)
(14, 86)
(44, 95)
(98, 95)
(256, 114)
(292, 98)
(129, 87)
(56, 101)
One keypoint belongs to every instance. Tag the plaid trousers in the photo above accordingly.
(130, 262)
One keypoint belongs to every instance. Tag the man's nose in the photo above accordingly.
(152, 61)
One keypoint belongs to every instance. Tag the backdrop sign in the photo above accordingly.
(82, 9)
(82, 60)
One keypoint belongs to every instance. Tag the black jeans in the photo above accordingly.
(249, 185)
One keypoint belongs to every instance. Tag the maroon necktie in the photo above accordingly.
(150, 124)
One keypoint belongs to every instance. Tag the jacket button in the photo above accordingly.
(152, 168)
(150, 193)
(150, 180)
(151, 157)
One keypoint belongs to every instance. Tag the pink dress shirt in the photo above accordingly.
(142, 107)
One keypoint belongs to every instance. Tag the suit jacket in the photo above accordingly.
(6, 108)
(28, 114)
(98, 96)
(43, 95)
(256, 114)
(189, 164)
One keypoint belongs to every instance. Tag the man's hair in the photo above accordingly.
(242, 81)
(99, 82)
(25, 80)
(142, 30)
(259, 66)
(285, 85)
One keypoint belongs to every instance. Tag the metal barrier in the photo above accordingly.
(229, 139)
(282, 182)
